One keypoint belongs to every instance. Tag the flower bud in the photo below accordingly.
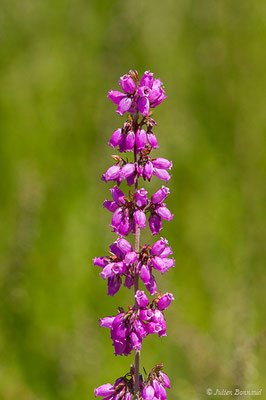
(140, 170)
(115, 96)
(107, 272)
(117, 195)
(128, 282)
(104, 390)
(162, 174)
(127, 170)
(168, 262)
(158, 247)
(162, 163)
(147, 79)
(124, 245)
(135, 341)
(119, 318)
(148, 393)
(122, 331)
(160, 97)
(116, 138)
(110, 205)
(141, 299)
(166, 380)
(127, 84)
(124, 105)
(152, 286)
(162, 393)
(158, 263)
(157, 94)
(160, 195)
(117, 218)
(130, 141)
(141, 139)
(141, 197)
(122, 145)
(152, 140)
(125, 227)
(145, 274)
(155, 223)
(144, 106)
(100, 261)
(130, 258)
(160, 324)
(137, 267)
(112, 173)
(164, 213)
(130, 180)
(167, 252)
(163, 329)
(140, 219)
(148, 170)
(106, 322)
(120, 349)
(165, 301)
(139, 327)
(114, 283)
(156, 387)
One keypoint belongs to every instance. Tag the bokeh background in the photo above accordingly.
(58, 59)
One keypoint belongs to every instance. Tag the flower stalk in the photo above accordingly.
(130, 212)
(136, 278)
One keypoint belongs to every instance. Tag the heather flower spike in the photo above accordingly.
(133, 210)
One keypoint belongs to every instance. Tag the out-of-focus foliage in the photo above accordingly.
(57, 62)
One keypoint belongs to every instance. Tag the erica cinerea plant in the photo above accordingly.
(128, 264)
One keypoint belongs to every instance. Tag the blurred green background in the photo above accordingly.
(58, 59)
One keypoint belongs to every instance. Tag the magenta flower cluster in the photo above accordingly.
(132, 212)
(129, 328)
(152, 389)
(122, 263)
(138, 96)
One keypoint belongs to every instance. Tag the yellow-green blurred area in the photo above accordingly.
(58, 60)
